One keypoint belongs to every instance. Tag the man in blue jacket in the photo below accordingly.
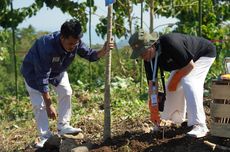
(46, 63)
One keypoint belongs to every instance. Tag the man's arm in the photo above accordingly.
(42, 61)
(42, 67)
(47, 99)
(51, 112)
(179, 75)
(91, 54)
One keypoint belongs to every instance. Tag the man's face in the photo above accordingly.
(148, 54)
(69, 43)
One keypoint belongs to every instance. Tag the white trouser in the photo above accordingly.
(188, 96)
(64, 93)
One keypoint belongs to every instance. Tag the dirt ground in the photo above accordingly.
(129, 136)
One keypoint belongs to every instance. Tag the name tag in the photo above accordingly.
(71, 55)
(169, 60)
(56, 59)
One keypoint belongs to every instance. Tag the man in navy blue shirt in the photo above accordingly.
(46, 63)
(189, 59)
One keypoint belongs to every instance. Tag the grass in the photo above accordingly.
(18, 129)
(16, 135)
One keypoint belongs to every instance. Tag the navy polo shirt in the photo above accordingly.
(47, 59)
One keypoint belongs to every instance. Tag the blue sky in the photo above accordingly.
(51, 19)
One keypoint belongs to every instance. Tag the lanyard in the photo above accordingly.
(154, 69)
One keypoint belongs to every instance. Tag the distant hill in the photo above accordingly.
(122, 43)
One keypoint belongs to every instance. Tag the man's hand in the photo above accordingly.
(104, 50)
(51, 112)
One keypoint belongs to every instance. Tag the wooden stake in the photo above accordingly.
(107, 115)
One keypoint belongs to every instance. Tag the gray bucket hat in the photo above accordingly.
(140, 41)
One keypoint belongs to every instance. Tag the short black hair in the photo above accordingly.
(71, 28)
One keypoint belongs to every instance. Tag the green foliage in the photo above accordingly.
(125, 101)
(4, 55)
(120, 14)
(89, 89)
(10, 17)
(11, 109)
(121, 66)
(24, 39)
(75, 9)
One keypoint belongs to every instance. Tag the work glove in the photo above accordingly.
(172, 86)
(154, 114)
(225, 76)
(153, 106)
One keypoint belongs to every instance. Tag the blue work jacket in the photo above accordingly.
(47, 60)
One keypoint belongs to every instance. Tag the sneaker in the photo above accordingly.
(68, 130)
(42, 140)
(198, 131)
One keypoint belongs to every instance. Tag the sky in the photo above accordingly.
(51, 19)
